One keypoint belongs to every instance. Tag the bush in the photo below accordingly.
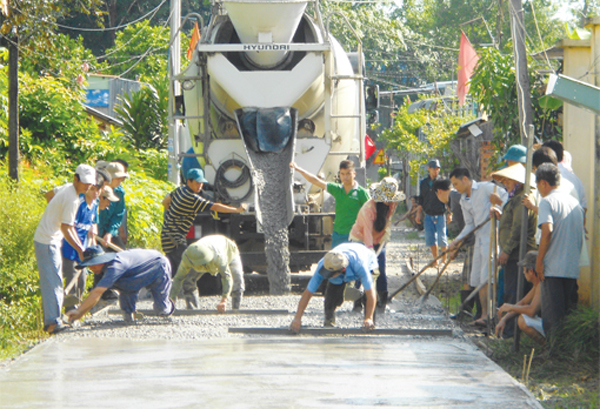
(577, 339)
(20, 308)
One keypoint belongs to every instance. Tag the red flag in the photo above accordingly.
(370, 147)
(193, 41)
(467, 60)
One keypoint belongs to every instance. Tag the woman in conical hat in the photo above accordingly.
(373, 227)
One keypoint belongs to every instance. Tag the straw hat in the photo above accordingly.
(386, 191)
(514, 172)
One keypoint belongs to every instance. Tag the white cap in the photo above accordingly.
(86, 173)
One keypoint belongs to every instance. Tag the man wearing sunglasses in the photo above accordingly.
(345, 263)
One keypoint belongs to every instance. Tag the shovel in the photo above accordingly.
(424, 297)
(413, 278)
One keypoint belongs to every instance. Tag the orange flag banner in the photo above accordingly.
(193, 41)
(467, 60)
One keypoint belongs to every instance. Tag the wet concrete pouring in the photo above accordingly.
(193, 361)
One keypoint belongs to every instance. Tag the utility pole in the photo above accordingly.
(174, 90)
(13, 107)
(517, 27)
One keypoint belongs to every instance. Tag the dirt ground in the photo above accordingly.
(556, 383)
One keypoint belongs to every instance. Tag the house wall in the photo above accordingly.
(579, 128)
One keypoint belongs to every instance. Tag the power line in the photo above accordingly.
(96, 29)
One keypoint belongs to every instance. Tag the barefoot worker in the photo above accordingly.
(347, 262)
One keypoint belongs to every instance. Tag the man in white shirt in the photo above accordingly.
(58, 222)
(567, 174)
(476, 200)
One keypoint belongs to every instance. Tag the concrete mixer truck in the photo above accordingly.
(267, 84)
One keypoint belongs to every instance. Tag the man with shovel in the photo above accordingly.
(128, 271)
(476, 200)
(345, 263)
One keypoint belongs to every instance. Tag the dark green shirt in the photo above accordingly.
(347, 205)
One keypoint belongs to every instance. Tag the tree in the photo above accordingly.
(144, 115)
(31, 19)
(493, 85)
(118, 13)
(426, 133)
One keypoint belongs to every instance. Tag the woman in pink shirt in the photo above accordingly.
(373, 228)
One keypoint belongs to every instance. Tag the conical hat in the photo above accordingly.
(514, 172)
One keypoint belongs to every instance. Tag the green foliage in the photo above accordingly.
(383, 40)
(577, 339)
(493, 85)
(54, 115)
(140, 51)
(425, 134)
(20, 308)
(50, 61)
(144, 209)
(35, 20)
(144, 115)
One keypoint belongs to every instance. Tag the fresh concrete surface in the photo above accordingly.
(259, 372)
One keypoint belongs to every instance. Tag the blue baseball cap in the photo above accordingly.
(517, 153)
(197, 175)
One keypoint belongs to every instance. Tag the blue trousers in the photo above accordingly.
(49, 261)
(160, 288)
(435, 230)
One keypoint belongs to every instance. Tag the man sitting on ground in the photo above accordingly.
(347, 262)
(528, 308)
(128, 271)
(412, 214)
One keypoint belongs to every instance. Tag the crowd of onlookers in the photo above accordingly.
(92, 210)
(555, 239)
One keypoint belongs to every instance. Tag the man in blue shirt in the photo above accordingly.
(345, 263)
(128, 272)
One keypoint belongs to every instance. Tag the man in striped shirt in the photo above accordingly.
(181, 207)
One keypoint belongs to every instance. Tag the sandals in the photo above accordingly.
(481, 322)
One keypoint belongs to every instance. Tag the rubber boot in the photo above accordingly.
(382, 299)
(236, 300)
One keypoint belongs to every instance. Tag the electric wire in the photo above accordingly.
(147, 51)
(30, 51)
(155, 10)
(540, 37)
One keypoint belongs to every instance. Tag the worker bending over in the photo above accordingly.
(212, 254)
(128, 272)
(345, 263)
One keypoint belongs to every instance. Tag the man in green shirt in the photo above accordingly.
(349, 198)
(212, 254)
